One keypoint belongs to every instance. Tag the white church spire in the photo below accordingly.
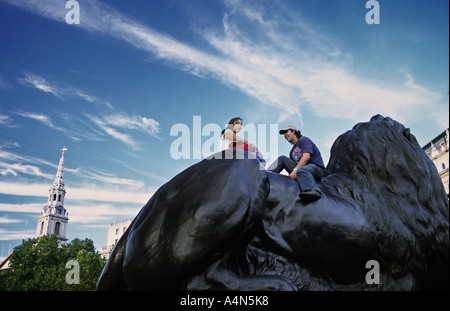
(59, 179)
(54, 217)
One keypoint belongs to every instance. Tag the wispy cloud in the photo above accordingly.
(21, 208)
(59, 91)
(15, 168)
(140, 123)
(108, 178)
(6, 235)
(106, 193)
(287, 65)
(299, 68)
(104, 203)
(288, 74)
(6, 121)
(102, 213)
(95, 184)
(78, 213)
(40, 84)
(93, 99)
(145, 173)
(15, 157)
(114, 125)
(111, 195)
(7, 220)
(110, 125)
(23, 189)
(46, 120)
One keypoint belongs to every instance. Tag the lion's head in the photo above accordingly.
(379, 168)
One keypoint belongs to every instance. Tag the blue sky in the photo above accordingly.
(112, 87)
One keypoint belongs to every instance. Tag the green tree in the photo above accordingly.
(90, 262)
(40, 265)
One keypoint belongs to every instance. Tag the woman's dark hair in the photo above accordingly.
(231, 123)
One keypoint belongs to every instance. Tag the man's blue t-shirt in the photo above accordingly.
(303, 145)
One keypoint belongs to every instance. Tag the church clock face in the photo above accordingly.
(59, 210)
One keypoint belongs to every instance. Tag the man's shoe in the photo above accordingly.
(310, 195)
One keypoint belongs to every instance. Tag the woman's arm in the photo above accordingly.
(229, 134)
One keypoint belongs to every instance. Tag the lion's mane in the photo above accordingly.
(379, 168)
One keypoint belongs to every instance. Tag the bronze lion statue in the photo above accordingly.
(228, 224)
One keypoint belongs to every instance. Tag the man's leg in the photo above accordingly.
(306, 177)
(281, 163)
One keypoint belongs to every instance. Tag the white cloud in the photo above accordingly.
(143, 124)
(287, 65)
(6, 121)
(292, 75)
(92, 203)
(85, 205)
(145, 173)
(99, 212)
(38, 117)
(114, 125)
(308, 72)
(21, 208)
(16, 165)
(47, 86)
(39, 190)
(92, 99)
(111, 179)
(98, 186)
(40, 84)
(108, 193)
(6, 235)
(15, 168)
(15, 157)
(78, 213)
(7, 220)
(47, 120)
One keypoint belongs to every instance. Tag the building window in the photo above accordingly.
(443, 166)
(57, 225)
(54, 197)
(117, 231)
(42, 228)
(59, 198)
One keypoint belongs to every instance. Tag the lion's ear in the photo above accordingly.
(407, 133)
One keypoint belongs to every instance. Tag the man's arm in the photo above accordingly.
(303, 161)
